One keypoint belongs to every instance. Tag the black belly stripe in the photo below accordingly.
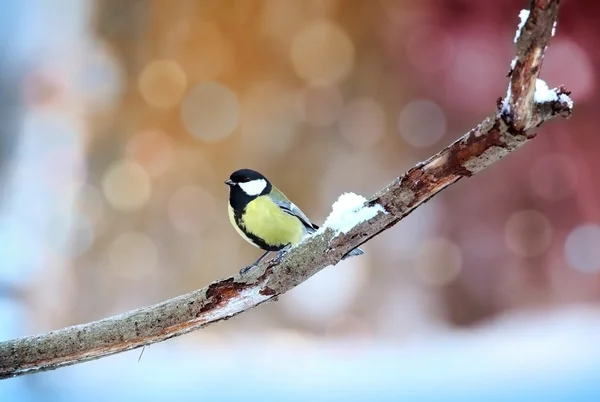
(256, 240)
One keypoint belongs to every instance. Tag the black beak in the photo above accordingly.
(230, 182)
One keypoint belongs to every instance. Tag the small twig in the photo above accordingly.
(141, 353)
(494, 138)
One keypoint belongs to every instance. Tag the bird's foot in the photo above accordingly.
(275, 260)
(281, 253)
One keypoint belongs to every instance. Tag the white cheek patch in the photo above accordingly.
(254, 187)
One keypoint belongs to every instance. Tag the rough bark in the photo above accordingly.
(495, 137)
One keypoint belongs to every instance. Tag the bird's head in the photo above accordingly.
(248, 182)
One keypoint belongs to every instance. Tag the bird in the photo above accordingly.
(263, 216)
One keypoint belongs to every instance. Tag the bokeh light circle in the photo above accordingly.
(162, 83)
(582, 248)
(126, 186)
(528, 233)
(422, 123)
(322, 52)
(210, 111)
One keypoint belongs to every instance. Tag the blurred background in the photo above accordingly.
(120, 120)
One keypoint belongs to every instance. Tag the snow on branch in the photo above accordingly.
(525, 89)
(354, 220)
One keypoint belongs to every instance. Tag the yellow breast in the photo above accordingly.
(265, 220)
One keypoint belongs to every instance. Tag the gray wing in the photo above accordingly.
(290, 208)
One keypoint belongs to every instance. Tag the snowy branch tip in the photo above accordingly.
(532, 40)
(544, 94)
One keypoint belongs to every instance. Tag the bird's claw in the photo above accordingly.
(275, 260)
(281, 253)
(278, 258)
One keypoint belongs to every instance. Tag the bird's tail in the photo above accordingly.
(352, 253)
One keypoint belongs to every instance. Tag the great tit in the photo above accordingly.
(264, 216)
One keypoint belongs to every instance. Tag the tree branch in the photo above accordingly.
(494, 138)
